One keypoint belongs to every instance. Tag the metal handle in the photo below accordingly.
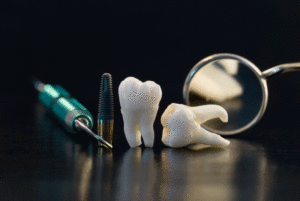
(283, 68)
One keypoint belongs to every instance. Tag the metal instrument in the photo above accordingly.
(69, 112)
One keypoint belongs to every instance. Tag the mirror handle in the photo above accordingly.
(283, 68)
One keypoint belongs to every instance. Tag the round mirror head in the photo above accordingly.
(232, 82)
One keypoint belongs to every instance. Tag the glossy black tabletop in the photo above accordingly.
(40, 161)
(72, 43)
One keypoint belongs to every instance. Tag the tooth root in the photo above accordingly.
(209, 138)
(131, 129)
(146, 126)
(182, 125)
(207, 112)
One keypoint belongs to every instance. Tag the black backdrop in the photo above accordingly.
(72, 43)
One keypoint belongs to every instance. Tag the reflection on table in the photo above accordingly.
(50, 164)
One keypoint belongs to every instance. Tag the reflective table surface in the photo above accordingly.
(40, 161)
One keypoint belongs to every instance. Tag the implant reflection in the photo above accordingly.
(103, 174)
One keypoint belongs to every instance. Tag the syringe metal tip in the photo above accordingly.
(82, 126)
(38, 85)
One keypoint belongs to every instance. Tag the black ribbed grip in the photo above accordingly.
(106, 105)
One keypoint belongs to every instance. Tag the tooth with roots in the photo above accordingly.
(139, 104)
(182, 125)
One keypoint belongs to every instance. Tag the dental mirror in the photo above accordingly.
(234, 83)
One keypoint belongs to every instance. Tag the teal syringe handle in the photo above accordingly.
(64, 107)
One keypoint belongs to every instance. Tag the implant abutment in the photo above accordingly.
(82, 126)
(105, 130)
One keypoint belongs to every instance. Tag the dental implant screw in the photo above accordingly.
(105, 121)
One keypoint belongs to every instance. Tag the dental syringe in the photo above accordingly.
(70, 113)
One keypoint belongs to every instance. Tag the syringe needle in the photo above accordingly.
(82, 126)
(70, 113)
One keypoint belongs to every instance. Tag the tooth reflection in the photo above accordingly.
(251, 163)
(137, 175)
(193, 175)
(204, 147)
(214, 83)
(214, 173)
(230, 65)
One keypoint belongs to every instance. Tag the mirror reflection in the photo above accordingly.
(231, 84)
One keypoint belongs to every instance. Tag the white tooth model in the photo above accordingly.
(139, 104)
(182, 125)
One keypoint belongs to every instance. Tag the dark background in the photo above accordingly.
(72, 43)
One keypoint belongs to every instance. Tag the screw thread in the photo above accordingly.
(106, 106)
